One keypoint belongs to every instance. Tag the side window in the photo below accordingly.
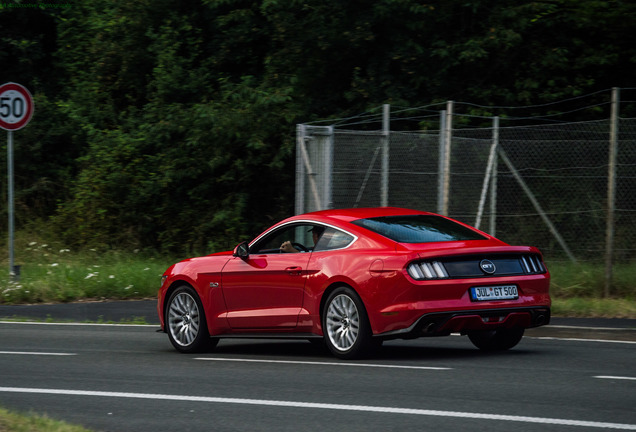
(332, 239)
(299, 235)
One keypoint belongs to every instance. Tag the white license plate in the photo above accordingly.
(503, 292)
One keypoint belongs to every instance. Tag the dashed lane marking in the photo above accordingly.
(369, 365)
(609, 377)
(36, 353)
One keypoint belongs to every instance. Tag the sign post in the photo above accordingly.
(16, 109)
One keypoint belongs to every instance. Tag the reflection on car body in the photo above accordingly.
(370, 275)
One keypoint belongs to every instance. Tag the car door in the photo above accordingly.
(265, 289)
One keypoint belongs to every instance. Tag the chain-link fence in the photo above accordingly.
(552, 184)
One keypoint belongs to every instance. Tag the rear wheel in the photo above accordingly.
(496, 340)
(185, 320)
(345, 324)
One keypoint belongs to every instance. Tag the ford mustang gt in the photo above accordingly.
(353, 278)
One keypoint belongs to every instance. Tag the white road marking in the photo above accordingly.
(615, 377)
(323, 363)
(581, 339)
(78, 324)
(569, 327)
(36, 353)
(312, 405)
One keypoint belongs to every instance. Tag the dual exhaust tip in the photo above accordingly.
(537, 318)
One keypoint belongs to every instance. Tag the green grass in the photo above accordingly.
(588, 280)
(13, 422)
(51, 273)
(577, 290)
(582, 307)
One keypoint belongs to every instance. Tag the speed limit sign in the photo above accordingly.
(16, 106)
(16, 109)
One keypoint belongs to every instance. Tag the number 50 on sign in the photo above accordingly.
(16, 106)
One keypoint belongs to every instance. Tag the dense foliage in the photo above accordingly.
(170, 124)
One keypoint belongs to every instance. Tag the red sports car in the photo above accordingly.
(355, 278)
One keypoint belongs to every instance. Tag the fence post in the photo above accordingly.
(300, 171)
(386, 113)
(441, 163)
(447, 156)
(493, 193)
(328, 175)
(611, 192)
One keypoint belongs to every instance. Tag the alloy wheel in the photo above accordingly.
(343, 322)
(184, 319)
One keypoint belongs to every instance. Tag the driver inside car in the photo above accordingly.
(287, 246)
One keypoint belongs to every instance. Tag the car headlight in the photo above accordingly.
(427, 270)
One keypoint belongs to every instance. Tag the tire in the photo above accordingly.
(347, 332)
(496, 340)
(185, 321)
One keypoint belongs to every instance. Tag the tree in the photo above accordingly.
(176, 130)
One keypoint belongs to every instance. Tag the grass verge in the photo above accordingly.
(577, 290)
(13, 422)
(52, 274)
(581, 307)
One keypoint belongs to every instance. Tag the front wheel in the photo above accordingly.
(185, 319)
(496, 340)
(345, 324)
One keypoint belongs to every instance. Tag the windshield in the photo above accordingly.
(419, 229)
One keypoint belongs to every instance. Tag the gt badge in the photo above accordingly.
(487, 266)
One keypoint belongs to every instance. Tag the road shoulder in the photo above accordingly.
(146, 311)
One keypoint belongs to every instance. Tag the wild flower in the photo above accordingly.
(54, 265)
(90, 275)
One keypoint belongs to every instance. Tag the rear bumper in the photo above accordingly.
(444, 323)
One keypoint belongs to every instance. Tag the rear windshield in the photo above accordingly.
(418, 229)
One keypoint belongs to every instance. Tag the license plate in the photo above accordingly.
(503, 292)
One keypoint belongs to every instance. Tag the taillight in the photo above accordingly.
(427, 270)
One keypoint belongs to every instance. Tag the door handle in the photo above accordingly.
(294, 271)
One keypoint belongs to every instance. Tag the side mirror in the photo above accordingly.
(242, 250)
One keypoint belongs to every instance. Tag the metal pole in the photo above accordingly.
(328, 176)
(300, 171)
(10, 210)
(386, 112)
(447, 156)
(441, 163)
(493, 196)
(311, 174)
(611, 192)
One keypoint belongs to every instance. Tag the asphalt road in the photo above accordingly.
(128, 378)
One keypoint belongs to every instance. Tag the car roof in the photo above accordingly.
(352, 214)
